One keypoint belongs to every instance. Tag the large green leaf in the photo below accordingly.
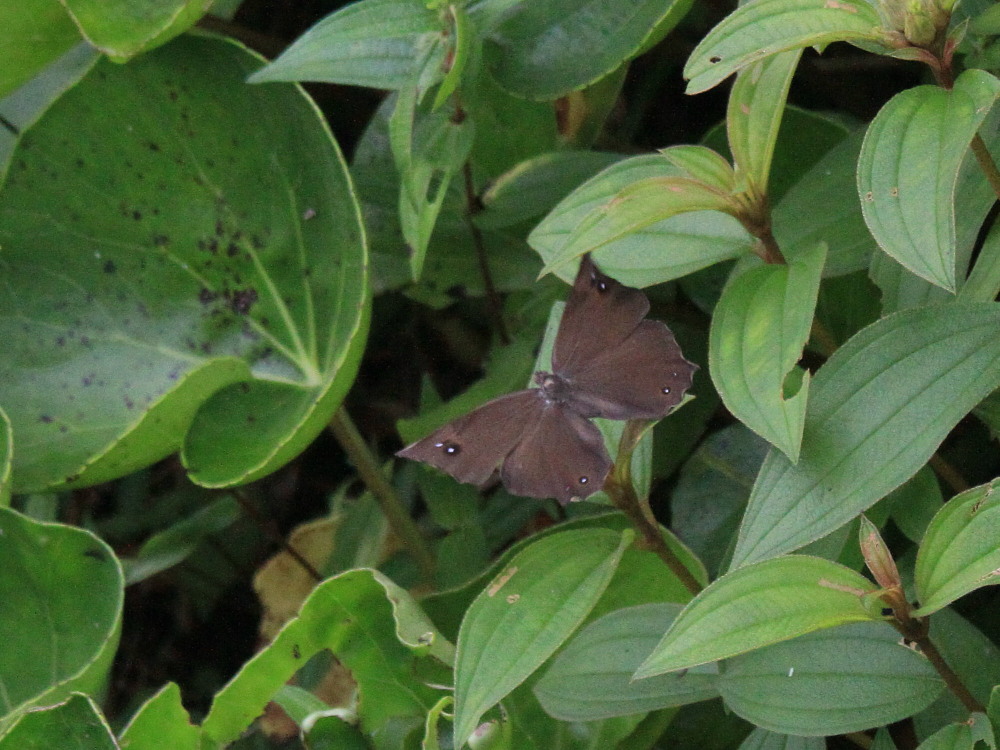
(909, 204)
(759, 605)
(760, 326)
(122, 28)
(526, 613)
(63, 593)
(545, 50)
(960, 551)
(865, 676)
(181, 253)
(757, 30)
(878, 409)
(592, 677)
(374, 43)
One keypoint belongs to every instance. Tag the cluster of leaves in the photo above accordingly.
(188, 266)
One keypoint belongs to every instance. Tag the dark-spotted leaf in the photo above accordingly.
(184, 265)
(909, 204)
(878, 409)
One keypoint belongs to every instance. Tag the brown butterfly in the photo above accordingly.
(607, 361)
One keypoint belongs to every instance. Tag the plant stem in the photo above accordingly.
(402, 525)
(248, 507)
(492, 298)
(951, 679)
(918, 631)
(622, 492)
(986, 163)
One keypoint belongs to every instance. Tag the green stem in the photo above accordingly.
(371, 474)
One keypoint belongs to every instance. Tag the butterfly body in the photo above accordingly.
(608, 361)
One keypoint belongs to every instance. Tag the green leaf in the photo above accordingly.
(206, 250)
(169, 547)
(370, 625)
(122, 28)
(592, 677)
(762, 739)
(915, 502)
(964, 735)
(636, 207)
(526, 613)
(331, 732)
(712, 491)
(763, 28)
(760, 326)
(162, 722)
(883, 740)
(35, 34)
(6, 458)
(76, 724)
(878, 409)
(373, 43)
(759, 605)
(529, 55)
(430, 148)
(662, 251)
(753, 116)
(909, 204)
(832, 184)
(960, 551)
(62, 605)
(866, 677)
(533, 187)
(983, 283)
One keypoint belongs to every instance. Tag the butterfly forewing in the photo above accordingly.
(600, 313)
(562, 455)
(644, 377)
(471, 447)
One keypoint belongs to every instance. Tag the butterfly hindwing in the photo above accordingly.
(562, 456)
